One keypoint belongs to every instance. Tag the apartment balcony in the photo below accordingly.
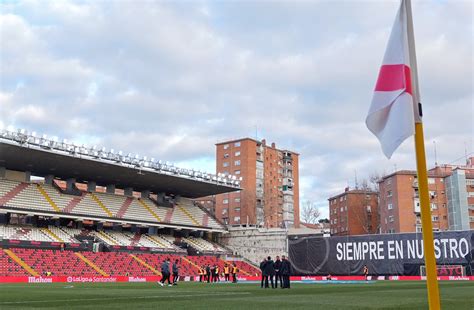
(416, 205)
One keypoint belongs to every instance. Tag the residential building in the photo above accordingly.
(269, 181)
(354, 212)
(451, 193)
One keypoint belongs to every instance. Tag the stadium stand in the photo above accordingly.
(108, 224)
(24, 233)
(59, 263)
(44, 197)
(204, 246)
(9, 267)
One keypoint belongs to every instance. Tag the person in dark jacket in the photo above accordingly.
(285, 270)
(277, 266)
(262, 269)
(208, 274)
(175, 272)
(165, 272)
(269, 271)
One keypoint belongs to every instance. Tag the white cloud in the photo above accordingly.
(168, 80)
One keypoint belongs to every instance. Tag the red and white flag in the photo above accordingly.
(391, 116)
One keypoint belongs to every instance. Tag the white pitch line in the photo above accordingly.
(117, 298)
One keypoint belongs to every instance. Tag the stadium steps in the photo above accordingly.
(106, 237)
(91, 264)
(153, 213)
(12, 193)
(21, 263)
(191, 263)
(72, 204)
(145, 264)
(156, 241)
(101, 205)
(48, 199)
(124, 207)
(51, 234)
(189, 215)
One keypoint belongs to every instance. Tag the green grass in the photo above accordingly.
(380, 295)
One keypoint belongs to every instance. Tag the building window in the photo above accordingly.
(237, 172)
(390, 218)
(237, 144)
(237, 219)
(435, 218)
(237, 199)
(389, 181)
(389, 193)
(341, 199)
(237, 163)
(390, 206)
(226, 155)
(225, 164)
(434, 206)
(342, 209)
(226, 146)
(431, 181)
(237, 153)
(237, 210)
(224, 211)
(225, 201)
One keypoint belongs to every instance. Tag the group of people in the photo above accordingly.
(275, 271)
(166, 270)
(212, 273)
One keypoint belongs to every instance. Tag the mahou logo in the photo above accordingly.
(39, 280)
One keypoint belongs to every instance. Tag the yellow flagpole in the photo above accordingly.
(426, 224)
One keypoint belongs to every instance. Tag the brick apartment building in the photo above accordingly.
(270, 195)
(451, 190)
(354, 212)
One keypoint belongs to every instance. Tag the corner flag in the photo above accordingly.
(395, 114)
(391, 114)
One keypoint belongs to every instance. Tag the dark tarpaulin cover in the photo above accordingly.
(388, 254)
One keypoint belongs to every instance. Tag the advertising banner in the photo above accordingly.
(388, 254)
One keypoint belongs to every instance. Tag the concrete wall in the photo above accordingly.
(256, 243)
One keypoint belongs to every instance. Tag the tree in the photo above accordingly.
(310, 212)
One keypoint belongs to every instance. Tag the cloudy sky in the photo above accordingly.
(170, 79)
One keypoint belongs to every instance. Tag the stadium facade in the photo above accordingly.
(73, 211)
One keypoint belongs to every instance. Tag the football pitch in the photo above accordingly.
(376, 295)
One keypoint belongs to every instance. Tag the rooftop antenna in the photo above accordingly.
(355, 179)
(435, 154)
(465, 153)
